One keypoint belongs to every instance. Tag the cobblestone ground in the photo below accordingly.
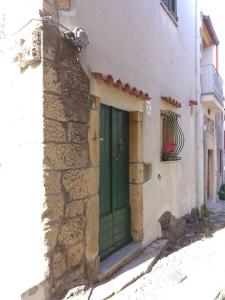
(191, 268)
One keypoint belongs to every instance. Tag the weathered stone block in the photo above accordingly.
(136, 173)
(74, 255)
(64, 110)
(49, 47)
(93, 269)
(136, 204)
(77, 133)
(135, 142)
(51, 233)
(49, 9)
(147, 171)
(93, 138)
(139, 172)
(136, 116)
(81, 183)
(63, 4)
(58, 265)
(63, 284)
(50, 79)
(172, 228)
(95, 103)
(54, 131)
(92, 229)
(54, 208)
(74, 209)
(65, 156)
(71, 232)
(52, 183)
(55, 109)
(66, 59)
(76, 80)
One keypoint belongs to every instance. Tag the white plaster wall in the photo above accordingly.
(137, 42)
(219, 132)
(209, 56)
(21, 155)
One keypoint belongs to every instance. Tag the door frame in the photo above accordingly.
(138, 174)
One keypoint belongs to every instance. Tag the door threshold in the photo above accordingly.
(117, 260)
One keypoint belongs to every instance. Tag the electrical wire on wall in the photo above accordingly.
(100, 49)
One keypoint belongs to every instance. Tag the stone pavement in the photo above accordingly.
(191, 268)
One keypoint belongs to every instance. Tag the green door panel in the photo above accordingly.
(105, 233)
(120, 163)
(121, 226)
(114, 229)
(105, 160)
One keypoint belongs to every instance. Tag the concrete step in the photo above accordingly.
(129, 273)
(117, 260)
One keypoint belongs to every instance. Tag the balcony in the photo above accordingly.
(212, 87)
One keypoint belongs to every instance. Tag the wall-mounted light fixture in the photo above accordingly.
(79, 38)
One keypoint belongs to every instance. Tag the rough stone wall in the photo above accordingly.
(71, 160)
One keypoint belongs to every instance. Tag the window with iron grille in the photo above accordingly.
(172, 6)
(172, 136)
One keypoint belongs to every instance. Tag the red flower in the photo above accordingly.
(170, 147)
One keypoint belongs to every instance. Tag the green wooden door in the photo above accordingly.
(114, 202)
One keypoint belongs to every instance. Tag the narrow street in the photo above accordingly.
(112, 160)
(191, 268)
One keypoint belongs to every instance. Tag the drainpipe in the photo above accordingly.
(199, 114)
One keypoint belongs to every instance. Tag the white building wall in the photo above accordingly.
(138, 42)
(209, 56)
(21, 154)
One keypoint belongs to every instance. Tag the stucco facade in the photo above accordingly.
(51, 112)
(159, 65)
(212, 102)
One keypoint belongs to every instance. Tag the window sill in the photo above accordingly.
(172, 17)
(169, 161)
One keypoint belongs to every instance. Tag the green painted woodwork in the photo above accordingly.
(114, 176)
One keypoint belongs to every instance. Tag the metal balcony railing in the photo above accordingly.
(211, 82)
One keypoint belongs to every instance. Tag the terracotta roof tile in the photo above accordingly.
(171, 101)
(193, 102)
(126, 87)
(108, 79)
(118, 84)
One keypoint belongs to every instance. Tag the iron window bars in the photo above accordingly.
(172, 136)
